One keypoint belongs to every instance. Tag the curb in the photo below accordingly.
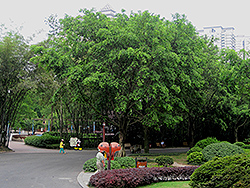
(83, 179)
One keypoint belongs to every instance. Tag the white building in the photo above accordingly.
(108, 11)
(225, 37)
(242, 42)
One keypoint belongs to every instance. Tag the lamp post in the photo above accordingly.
(103, 132)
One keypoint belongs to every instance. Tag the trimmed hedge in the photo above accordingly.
(134, 177)
(195, 158)
(45, 141)
(194, 149)
(164, 160)
(117, 163)
(230, 171)
(205, 142)
(220, 150)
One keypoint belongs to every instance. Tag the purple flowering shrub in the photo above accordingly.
(134, 177)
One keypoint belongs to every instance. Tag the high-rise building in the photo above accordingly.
(224, 37)
(242, 42)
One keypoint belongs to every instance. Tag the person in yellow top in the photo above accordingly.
(61, 147)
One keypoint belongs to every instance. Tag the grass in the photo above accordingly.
(170, 184)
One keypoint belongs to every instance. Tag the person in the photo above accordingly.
(100, 161)
(62, 146)
(163, 144)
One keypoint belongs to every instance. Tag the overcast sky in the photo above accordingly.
(30, 14)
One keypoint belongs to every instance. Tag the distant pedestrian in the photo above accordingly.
(62, 146)
(100, 161)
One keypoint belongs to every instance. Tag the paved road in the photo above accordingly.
(41, 168)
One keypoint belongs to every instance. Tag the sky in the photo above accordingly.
(31, 14)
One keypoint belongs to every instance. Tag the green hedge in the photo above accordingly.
(164, 160)
(194, 149)
(230, 171)
(42, 141)
(221, 150)
(195, 158)
(117, 163)
(205, 142)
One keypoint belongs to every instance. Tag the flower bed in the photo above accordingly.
(134, 177)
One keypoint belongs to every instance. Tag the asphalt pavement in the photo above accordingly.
(31, 153)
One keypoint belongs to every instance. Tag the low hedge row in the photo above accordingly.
(134, 177)
(117, 163)
(45, 141)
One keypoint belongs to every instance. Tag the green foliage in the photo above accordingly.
(42, 141)
(247, 141)
(205, 142)
(241, 144)
(194, 149)
(230, 171)
(90, 165)
(117, 163)
(164, 160)
(195, 158)
(113, 165)
(220, 150)
(125, 162)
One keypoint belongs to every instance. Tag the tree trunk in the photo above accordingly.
(122, 152)
(146, 140)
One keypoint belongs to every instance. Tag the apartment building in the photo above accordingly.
(224, 37)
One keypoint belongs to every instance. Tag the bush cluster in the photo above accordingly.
(230, 171)
(243, 145)
(134, 177)
(205, 142)
(220, 150)
(45, 141)
(194, 149)
(164, 160)
(195, 158)
(117, 163)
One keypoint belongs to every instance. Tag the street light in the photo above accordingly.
(103, 132)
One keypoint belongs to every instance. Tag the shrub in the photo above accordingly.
(113, 165)
(164, 160)
(134, 177)
(205, 142)
(241, 144)
(90, 165)
(42, 141)
(194, 149)
(196, 158)
(220, 150)
(230, 171)
(117, 163)
(125, 162)
(247, 141)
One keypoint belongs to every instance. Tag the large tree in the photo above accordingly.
(15, 79)
(130, 69)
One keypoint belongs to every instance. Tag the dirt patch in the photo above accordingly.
(4, 149)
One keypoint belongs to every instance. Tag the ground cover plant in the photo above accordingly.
(134, 177)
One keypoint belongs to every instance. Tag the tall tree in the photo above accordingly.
(236, 85)
(15, 78)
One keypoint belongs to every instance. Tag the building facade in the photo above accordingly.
(224, 37)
